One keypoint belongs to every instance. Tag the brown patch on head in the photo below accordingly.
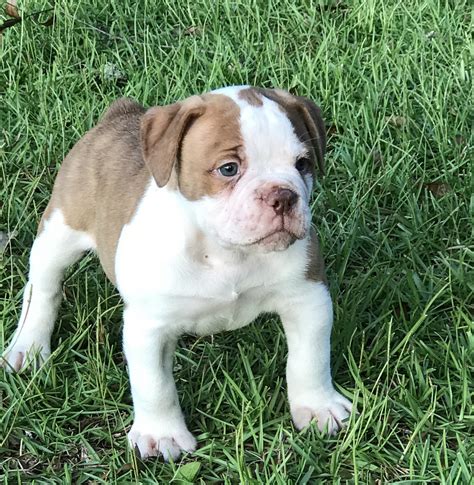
(306, 119)
(162, 131)
(213, 139)
(315, 270)
(187, 141)
(252, 96)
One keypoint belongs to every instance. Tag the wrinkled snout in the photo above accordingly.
(281, 200)
(266, 214)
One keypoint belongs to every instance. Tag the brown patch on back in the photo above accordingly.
(252, 96)
(102, 179)
(315, 270)
(213, 139)
(306, 119)
(104, 176)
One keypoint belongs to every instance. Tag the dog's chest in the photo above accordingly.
(220, 297)
(199, 297)
(176, 275)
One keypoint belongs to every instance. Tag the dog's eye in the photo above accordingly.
(303, 164)
(229, 169)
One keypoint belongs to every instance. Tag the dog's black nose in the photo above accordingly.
(282, 200)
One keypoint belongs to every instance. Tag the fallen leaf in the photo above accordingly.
(333, 130)
(5, 238)
(188, 472)
(28, 462)
(11, 9)
(17, 19)
(101, 334)
(49, 22)
(85, 454)
(459, 140)
(438, 189)
(112, 72)
(3, 241)
(402, 310)
(377, 156)
(193, 30)
(398, 121)
(9, 23)
(125, 468)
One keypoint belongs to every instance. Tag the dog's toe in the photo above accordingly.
(169, 443)
(330, 413)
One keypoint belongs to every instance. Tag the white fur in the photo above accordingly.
(181, 268)
(56, 247)
(307, 319)
(169, 292)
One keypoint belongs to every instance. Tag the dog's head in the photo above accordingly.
(245, 157)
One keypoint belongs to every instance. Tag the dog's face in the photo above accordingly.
(245, 158)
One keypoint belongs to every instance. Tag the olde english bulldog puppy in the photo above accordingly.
(198, 212)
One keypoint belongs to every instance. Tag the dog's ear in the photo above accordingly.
(162, 132)
(314, 122)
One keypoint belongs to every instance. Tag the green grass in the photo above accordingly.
(393, 212)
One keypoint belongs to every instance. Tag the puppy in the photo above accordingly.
(199, 214)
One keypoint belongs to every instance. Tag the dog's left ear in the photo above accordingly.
(311, 115)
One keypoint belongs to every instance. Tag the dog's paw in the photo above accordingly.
(21, 354)
(329, 411)
(167, 440)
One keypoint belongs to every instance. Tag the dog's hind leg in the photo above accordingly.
(54, 249)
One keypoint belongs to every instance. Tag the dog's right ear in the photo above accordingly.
(162, 132)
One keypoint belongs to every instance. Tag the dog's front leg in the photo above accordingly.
(307, 320)
(159, 426)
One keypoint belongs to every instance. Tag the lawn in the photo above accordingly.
(393, 213)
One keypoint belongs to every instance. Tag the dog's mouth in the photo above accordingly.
(267, 239)
(279, 238)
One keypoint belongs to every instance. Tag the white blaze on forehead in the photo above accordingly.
(269, 138)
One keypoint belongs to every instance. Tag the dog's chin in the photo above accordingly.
(279, 240)
(276, 241)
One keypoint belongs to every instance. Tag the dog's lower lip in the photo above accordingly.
(278, 231)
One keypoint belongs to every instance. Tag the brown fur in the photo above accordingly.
(252, 96)
(306, 119)
(105, 174)
(309, 127)
(304, 115)
(162, 131)
(315, 270)
(102, 179)
(214, 139)
(190, 156)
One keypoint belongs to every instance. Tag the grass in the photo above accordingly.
(394, 213)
